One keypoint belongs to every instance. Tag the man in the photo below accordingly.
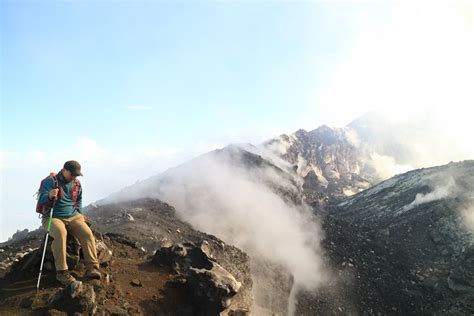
(67, 218)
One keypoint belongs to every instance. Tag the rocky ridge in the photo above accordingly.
(190, 272)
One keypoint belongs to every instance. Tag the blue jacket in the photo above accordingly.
(64, 206)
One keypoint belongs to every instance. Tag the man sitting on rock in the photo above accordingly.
(67, 218)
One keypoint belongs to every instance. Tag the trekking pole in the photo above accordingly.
(46, 243)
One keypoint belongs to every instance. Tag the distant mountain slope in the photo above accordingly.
(243, 160)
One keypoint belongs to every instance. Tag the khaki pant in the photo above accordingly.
(77, 226)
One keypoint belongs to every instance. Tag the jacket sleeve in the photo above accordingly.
(43, 193)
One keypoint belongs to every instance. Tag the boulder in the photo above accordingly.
(212, 289)
(75, 299)
(207, 286)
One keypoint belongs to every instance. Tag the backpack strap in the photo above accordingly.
(46, 207)
(55, 180)
(76, 186)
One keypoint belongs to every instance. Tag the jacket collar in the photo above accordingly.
(61, 178)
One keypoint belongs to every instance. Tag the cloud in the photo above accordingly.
(89, 150)
(6, 158)
(37, 155)
(420, 62)
(203, 146)
(158, 153)
(138, 107)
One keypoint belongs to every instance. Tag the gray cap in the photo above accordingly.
(74, 167)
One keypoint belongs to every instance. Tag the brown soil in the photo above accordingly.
(115, 290)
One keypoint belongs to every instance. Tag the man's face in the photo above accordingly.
(68, 176)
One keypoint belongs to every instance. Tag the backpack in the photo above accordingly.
(44, 208)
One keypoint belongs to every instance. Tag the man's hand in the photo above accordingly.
(53, 194)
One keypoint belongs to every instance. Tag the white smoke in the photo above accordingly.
(386, 166)
(438, 193)
(408, 142)
(279, 147)
(219, 196)
(441, 191)
(468, 216)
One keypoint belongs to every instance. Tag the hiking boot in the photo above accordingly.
(64, 277)
(93, 273)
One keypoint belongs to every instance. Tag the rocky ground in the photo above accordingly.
(190, 273)
(395, 257)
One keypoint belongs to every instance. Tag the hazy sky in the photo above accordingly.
(132, 88)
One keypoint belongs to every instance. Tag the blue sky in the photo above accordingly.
(132, 88)
(198, 69)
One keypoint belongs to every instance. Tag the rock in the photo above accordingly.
(107, 278)
(169, 255)
(104, 254)
(166, 243)
(75, 288)
(123, 239)
(205, 248)
(130, 218)
(213, 288)
(457, 285)
(72, 301)
(55, 312)
(208, 286)
(179, 250)
(21, 255)
(239, 312)
(48, 266)
(117, 311)
(136, 282)
(26, 302)
(20, 234)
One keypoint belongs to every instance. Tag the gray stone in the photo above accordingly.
(26, 302)
(117, 311)
(208, 285)
(71, 300)
(136, 282)
(239, 312)
(214, 287)
(104, 254)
